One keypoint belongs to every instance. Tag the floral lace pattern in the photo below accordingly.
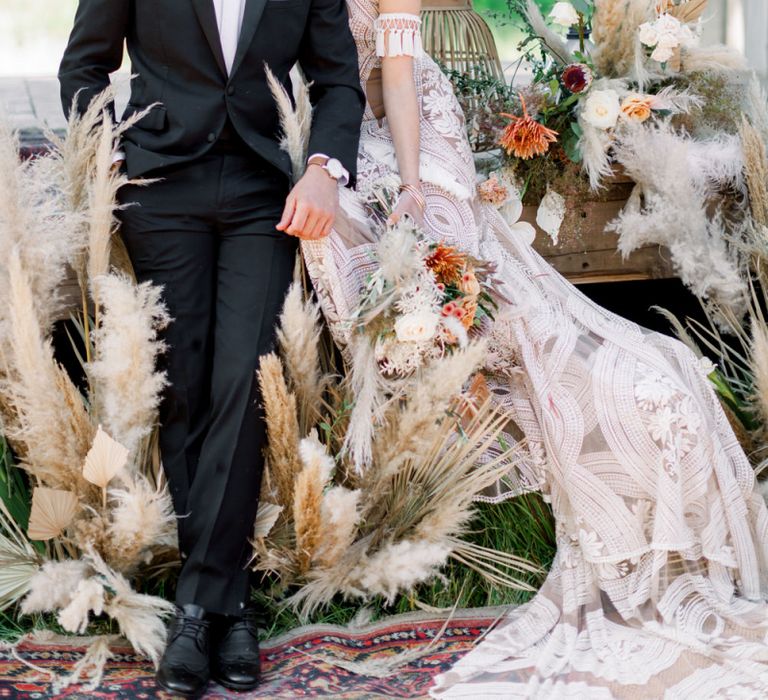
(658, 587)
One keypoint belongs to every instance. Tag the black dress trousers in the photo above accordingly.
(206, 233)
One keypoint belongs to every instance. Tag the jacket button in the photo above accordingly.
(211, 137)
(231, 90)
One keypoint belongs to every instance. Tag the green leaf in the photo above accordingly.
(576, 129)
(581, 6)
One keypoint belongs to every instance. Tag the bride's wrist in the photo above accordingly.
(415, 193)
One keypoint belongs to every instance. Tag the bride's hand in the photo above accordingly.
(407, 204)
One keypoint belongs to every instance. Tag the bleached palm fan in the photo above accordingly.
(18, 560)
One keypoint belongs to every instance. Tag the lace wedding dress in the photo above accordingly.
(658, 586)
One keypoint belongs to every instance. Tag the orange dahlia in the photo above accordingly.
(447, 263)
(525, 137)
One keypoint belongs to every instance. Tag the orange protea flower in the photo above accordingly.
(447, 263)
(525, 137)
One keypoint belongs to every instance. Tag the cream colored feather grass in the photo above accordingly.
(759, 367)
(126, 384)
(50, 427)
(139, 616)
(618, 53)
(756, 170)
(308, 498)
(712, 59)
(294, 123)
(283, 462)
(142, 519)
(36, 221)
(411, 522)
(298, 334)
(53, 510)
(429, 397)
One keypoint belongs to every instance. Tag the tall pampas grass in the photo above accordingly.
(48, 423)
(310, 484)
(674, 212)
(141, 518)
(755, 170)
(712, 59)
(126, 385)
(298, 334)
(139, 616)
(283, 460)
(618, 53)
(295, 123)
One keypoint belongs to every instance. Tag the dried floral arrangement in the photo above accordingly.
(373, 465)
(83, 512)
(632, 92)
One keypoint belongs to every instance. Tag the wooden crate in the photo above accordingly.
(585, 252)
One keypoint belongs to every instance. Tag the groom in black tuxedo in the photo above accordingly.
(219, 231)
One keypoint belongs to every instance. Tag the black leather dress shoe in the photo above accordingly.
(185, 666)
(235, 660)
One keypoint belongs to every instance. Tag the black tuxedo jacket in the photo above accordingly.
(178, 62)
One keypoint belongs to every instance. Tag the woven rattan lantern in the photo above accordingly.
(457, 36)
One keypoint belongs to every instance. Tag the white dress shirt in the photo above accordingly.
(229, 17)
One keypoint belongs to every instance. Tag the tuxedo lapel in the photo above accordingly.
(206, 14)
(251, 18)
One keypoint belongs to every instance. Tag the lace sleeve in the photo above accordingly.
(398, 34)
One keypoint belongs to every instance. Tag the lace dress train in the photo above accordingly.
(658, 587)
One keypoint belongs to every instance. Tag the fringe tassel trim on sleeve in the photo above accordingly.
(398, 34)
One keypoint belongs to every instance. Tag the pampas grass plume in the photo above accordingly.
(283, 462)
(139, 616)
(299, 336)
(54, 584)
(126, 384)
(755, 169)
(340, 514)
(307, 504)
(759, 367)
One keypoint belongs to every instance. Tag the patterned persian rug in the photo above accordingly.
(395, 658)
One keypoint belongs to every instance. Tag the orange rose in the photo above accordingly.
(636, 108)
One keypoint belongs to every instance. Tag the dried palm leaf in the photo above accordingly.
(18, 560)
(687, 12)
(52, 512)
(266, 517)
(104, 460)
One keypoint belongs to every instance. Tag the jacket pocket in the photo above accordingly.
(154, 120)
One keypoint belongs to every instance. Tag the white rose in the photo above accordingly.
(648, 34)
(417, 326)
(602, 109)
(667, 24)
(662, 54)
(564, 14)
(667, 40)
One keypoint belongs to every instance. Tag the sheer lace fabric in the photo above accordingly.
(398, 34)
(659, 583)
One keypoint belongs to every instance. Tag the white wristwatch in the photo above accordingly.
(332, 166)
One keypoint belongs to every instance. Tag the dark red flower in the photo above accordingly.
(577, 77)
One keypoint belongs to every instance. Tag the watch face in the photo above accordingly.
(335, 169)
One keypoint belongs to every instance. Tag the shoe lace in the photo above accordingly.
(189, 627)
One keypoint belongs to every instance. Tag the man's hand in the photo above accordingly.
(310, 209)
